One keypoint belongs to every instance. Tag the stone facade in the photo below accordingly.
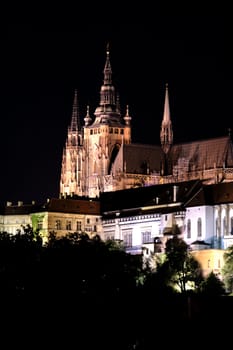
(99, 156)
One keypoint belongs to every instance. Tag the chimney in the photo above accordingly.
(175, 190)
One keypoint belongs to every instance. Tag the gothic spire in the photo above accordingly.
(166, 133)
(107, 69)
(108, 109)
(75, 122)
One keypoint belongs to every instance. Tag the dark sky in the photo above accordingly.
(44, 63)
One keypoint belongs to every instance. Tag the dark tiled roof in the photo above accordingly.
(73, 206)
(148, 196)
(81, 206)
(22, 209)
(219, 193)
(205, 153)
(213, 194)
(138, 157)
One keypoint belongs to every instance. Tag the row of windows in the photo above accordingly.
(217, 227)
(226, 232)
(111, 131)
(128, 237)
(199, 228)
(78, 225)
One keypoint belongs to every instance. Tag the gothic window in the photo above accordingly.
(199, 228)
(189, 228)
(217, 228)
(88, 221)
(110, 130)
(146, 237)
(116, 131)
(122, 131)
(224, 226)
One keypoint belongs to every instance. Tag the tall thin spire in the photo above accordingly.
(75, 122)
(166, 112)
(107, 68)
(107, 111)
(166, 133)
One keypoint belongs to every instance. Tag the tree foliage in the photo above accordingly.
(227, 270)
(212, 285)
(76, 263)
(183, 268)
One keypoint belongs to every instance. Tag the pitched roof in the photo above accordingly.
(139, 157)
(78, 206)
(159, 195)
(19, 209)
(206, 154)
(212, 194)
(221, 193)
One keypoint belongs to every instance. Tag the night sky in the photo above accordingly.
(45, 63)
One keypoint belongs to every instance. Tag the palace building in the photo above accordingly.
(99, 156)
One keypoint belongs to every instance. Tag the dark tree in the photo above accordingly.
(212, 286)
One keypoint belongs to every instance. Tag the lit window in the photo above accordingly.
(79, 226)
(68, 225)
(146, 237)
(58, 225)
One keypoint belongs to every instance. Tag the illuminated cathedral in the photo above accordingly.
(99, 155)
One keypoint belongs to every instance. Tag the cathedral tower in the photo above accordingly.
(89, 155)
(103, 137)
(100, 156)
(70, 171)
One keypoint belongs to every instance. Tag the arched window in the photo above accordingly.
(199, 228)
(224, 226)
(217, 227)
(189, 228)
